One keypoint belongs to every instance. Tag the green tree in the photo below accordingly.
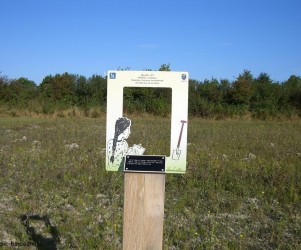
(264, 100)
(64, 87)
(194, 98)
(97, 89)
(46, 87)
(241, 89)
(225, 86)
(22, 90)
(262, 90)
(165, 67)
(292, 90)
(212, 91)
(59, 89)
(83, 95)
(5, 94)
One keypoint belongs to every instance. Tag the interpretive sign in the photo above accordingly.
(120, 127)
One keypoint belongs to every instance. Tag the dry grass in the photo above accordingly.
(241, 191)
(64, 113)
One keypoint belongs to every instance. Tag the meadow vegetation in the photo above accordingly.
(242, 189)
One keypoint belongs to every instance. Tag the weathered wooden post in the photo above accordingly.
(144, 175)
(143, 211)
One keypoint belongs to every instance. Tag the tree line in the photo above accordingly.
(259, 96)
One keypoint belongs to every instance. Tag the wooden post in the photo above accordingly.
(143, 211)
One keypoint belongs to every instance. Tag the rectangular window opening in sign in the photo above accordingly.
(149, 110)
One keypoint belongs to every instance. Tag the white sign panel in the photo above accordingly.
(119, 127)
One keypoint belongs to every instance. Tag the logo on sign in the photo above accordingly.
(112, 75)
(184, 77)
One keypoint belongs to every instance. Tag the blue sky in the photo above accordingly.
(215, 38)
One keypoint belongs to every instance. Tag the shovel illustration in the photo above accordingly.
(177, 152)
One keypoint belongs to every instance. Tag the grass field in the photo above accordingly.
(242, 189)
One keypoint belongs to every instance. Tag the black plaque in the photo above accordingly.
(144, 163)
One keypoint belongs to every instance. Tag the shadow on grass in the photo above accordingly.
(41, 231)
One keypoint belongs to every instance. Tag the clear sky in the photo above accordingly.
(212, 38)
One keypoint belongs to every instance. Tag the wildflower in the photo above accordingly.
(99, 219)
(225, 157)
(250, 157)
(24, 138)
(72, 146)
(69, 207)
(36, 146)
